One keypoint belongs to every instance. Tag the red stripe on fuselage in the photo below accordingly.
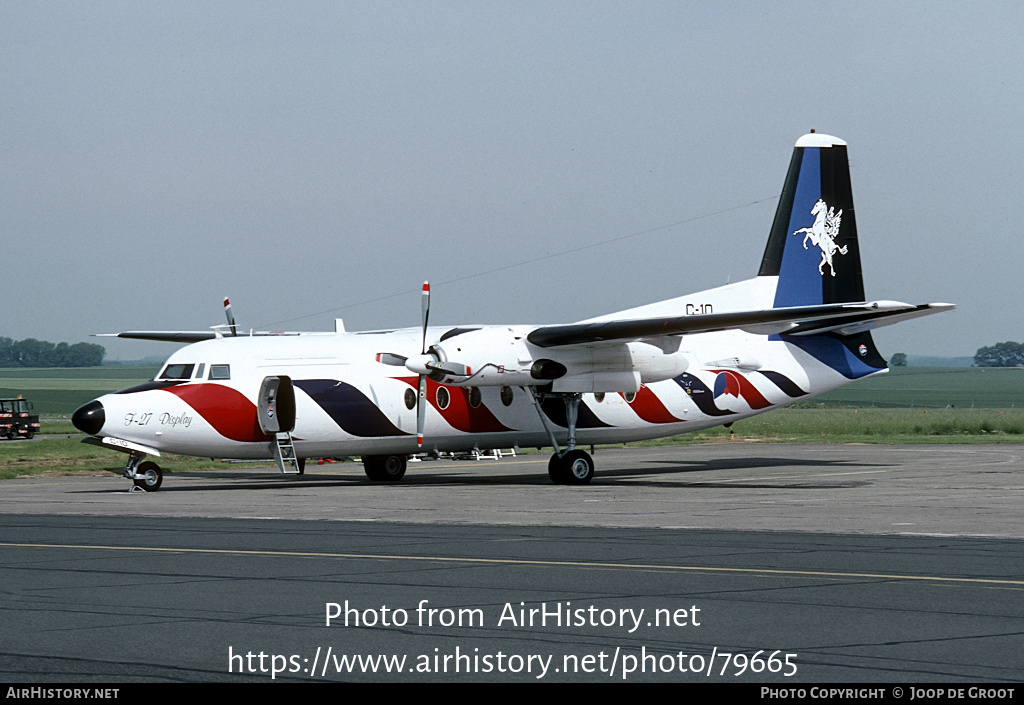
(229, 411)
(459, 413)
(650, 408)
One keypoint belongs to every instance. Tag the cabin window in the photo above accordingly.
(599, 397)
(410, 399)
(506, 396)
(442, 398)
(474, 397)
(220, 371)
(177, 371)
(629, 397)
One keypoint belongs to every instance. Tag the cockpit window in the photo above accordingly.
(220, 371)
(199, 372)
(178, 371)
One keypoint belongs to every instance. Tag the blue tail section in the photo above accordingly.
(814, 251)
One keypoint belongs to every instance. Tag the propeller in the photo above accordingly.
(429, 363)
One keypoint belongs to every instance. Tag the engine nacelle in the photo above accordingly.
(497, 356)
(494, 356)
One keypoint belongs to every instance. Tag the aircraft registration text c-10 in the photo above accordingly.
(801, 327)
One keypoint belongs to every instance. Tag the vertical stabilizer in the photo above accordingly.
(813, 249)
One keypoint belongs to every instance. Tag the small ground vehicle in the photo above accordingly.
(16, 418)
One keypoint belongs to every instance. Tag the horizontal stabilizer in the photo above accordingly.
(870, 321)
(769, 321)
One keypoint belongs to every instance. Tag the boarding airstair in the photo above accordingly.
(284, 454)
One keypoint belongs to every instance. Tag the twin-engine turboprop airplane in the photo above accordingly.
(799, 328)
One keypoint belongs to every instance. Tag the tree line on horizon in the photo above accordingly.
(1008, 354)
(41, 353)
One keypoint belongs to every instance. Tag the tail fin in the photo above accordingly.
(812, 247)
(813, 250)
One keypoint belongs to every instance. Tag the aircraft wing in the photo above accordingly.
(171, 336)
(794, 320)
(167, 336)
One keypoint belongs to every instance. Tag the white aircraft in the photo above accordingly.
(799, 328)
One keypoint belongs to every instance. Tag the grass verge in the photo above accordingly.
(69, 456)
(868, 425)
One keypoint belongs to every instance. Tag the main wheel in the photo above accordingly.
(574, 468)
(384, 468)
(151, 478)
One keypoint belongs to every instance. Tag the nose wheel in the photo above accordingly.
(145, 475)
(148, 476)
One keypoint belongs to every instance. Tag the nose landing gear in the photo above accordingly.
(145, 476)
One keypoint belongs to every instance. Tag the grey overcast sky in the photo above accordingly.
(538, 162)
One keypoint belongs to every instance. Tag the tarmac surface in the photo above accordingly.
(751, 562)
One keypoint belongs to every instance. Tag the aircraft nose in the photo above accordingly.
(89, 418)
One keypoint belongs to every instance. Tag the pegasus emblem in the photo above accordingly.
(823, 234)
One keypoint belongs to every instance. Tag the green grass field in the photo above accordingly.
(907, 405)
(58, 392)
(869, 425)
(69, 455)
(934, 388)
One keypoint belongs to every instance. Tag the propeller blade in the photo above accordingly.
(231, 316)
(451, 368)
(426, 315)
(421, 408)
(391, 359)
(419, 365)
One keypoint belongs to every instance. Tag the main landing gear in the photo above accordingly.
(384, 468)
(570, 466)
